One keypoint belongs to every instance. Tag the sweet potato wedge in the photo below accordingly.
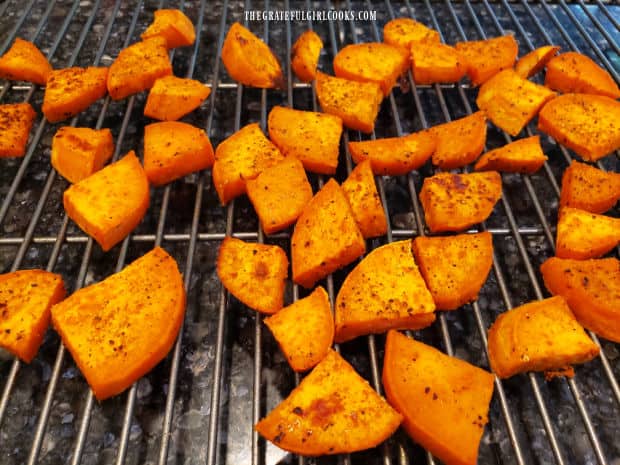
(403, 32)
(174, 26)
(520, 156)
(459, 142)
(582, 235)
(26, 297)
(109, 204)
(572, 72)
(279, 194)
(592, 290)
(538, 336)
(304, 330)
(332, 411)
(588, 188)
(253, 273)
(356, 103)
(454, 202)
(485, 58)
(444, 400)
(326, 236)
(171, 98)
(79, 152)
(312, 137)
(530, 64)
(173, 149)
(15, 123)
(249, 60)
(118, 329)
(69, 91)
(587, 124)
(384, 291)
(25, 62)
(305, 55)
(433, 62)
(454, 267)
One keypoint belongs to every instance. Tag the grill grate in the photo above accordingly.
(225, 372)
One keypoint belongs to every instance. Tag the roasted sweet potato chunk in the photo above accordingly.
(304, 330)
(332, 411)
(25, 62)
(305, 55)
(109, 204)
(118, 329)
(432, 62)
(444, 400)
(253, 273)
(384, 291)
(15, 123)
(536, 60)
(25, 300)
(572, 72)
(403, 32)
(520, 156)
(592, 290)
(460, 142)
(173, 26)
(485, 58)
(582, 235)
(453, 202)
(312, 137)
(326, 236)
(171, 98)
(588, 188)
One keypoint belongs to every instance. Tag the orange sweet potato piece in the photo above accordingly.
(25, 62)
(79, 152)
(137, 67)
(171, 98)
(118, 329)
(403, 32)
(454, 267)
(326, 236)
(520, 156)
(249, 60)
(572, 72)
(332, 411)
(312, 137)
(539, 336)
(454, 202)
(279, 194)
(109, 204)
(173, 26)
(253, 273)
(26, 297)
(433, 62)
(242, 156)
(485, 58)
(582, 235)
(592, 290)
(356, 103)
(444, 400)
(588, 188)
(15, 123)
(305, 55)
(173, 149)
(460, 142)
(71, 90)
(304, 330)
(530, 64)
(395, 155)
(384, 291)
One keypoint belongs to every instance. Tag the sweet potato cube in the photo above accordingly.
(326, 236)
(171, 98)
(118, 329)
(403, 32)
(305, 55)
(433, 62)
(26, 297)
(304, 330)
(312, 137)
(279, 194)
(530, 64)
(356, 103)
(332, 411)
(384, 291)
(109, 204)
(460, 142)
(582, 235)
(253, 273)
(25, 62)
(592, 290)
(71, 90)
(572, 72)
(15, 123)
(138, 66)
(485, 58)
(242, 156)
(444, 400)
(173, 26)
(79, 152)
(520, 156)
(588, 188)
(454, 202)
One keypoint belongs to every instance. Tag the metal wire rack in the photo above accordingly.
(225, 372)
